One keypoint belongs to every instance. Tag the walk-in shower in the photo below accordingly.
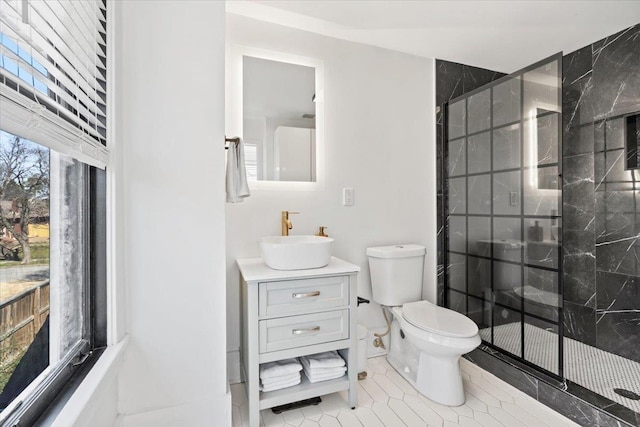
(519, 209)
(504, 211)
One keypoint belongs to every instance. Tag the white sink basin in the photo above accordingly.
(296, 252)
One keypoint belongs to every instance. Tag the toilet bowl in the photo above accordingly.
(439, 336)
(426, 340)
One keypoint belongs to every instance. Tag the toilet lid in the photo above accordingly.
(439, 320)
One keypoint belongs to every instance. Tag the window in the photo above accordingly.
(53, 158)
(251, 161)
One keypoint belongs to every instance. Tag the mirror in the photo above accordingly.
(279, 120)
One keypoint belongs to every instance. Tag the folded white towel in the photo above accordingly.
(328, 359)
(321, 374)
(320, 371)
(236, 177)
(279, 368)
(278, 386)
(317, 378)
(281, 379)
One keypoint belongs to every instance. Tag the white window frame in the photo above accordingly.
(98, 156)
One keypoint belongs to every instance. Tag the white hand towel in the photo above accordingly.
(243, 190)
(320, 371)
(291, 383)
(281, 379)
(279, 368)
(328, 359)
(236, 178)
(317, 378)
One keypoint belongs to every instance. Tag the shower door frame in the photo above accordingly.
(523, 264)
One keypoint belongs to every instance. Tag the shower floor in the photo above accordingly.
(590, 367)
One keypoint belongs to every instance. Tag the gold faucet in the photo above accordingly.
(286, 223)
(321, 231)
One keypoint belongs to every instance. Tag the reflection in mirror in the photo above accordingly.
(632, 141)
(279, 120)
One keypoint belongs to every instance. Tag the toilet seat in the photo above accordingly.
(438, 320)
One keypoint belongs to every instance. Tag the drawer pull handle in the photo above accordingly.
(306, 294)
(305, 331)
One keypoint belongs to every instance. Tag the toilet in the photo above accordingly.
(426, 340)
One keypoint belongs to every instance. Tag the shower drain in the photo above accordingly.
(627, 393)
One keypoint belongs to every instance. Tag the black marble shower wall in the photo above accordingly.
(601, 84)
(452, 80)
(601, 218)
(601, 210)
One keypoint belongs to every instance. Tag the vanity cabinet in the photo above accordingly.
(295, 313)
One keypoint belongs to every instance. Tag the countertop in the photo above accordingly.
(254, 269)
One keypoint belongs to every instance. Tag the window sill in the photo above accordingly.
(67, 411)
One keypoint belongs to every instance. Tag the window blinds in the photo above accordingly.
(53, 75)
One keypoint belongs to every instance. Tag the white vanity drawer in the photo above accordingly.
(297, 331)
(302, 296)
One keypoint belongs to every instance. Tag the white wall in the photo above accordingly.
(174, 371)
(380, 140)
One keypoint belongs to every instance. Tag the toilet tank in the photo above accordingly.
(396, 273)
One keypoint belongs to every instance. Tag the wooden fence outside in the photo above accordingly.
(20, 319)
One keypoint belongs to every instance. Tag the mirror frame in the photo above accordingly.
(234, 109)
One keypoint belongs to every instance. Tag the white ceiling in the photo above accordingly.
(498, 35)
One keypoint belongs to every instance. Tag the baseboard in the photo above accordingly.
(208, 410)
(234, 373)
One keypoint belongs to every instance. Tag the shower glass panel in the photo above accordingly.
(504, 220)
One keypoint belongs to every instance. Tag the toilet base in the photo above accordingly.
(440, 380)
(437, 378)
(444, 387)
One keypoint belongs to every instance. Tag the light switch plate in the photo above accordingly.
(513, 198)
(347, 196)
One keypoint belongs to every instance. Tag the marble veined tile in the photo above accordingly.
(616, 61)
(576, 65)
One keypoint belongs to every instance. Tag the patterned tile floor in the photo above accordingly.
(386, 399)
(592, 368)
